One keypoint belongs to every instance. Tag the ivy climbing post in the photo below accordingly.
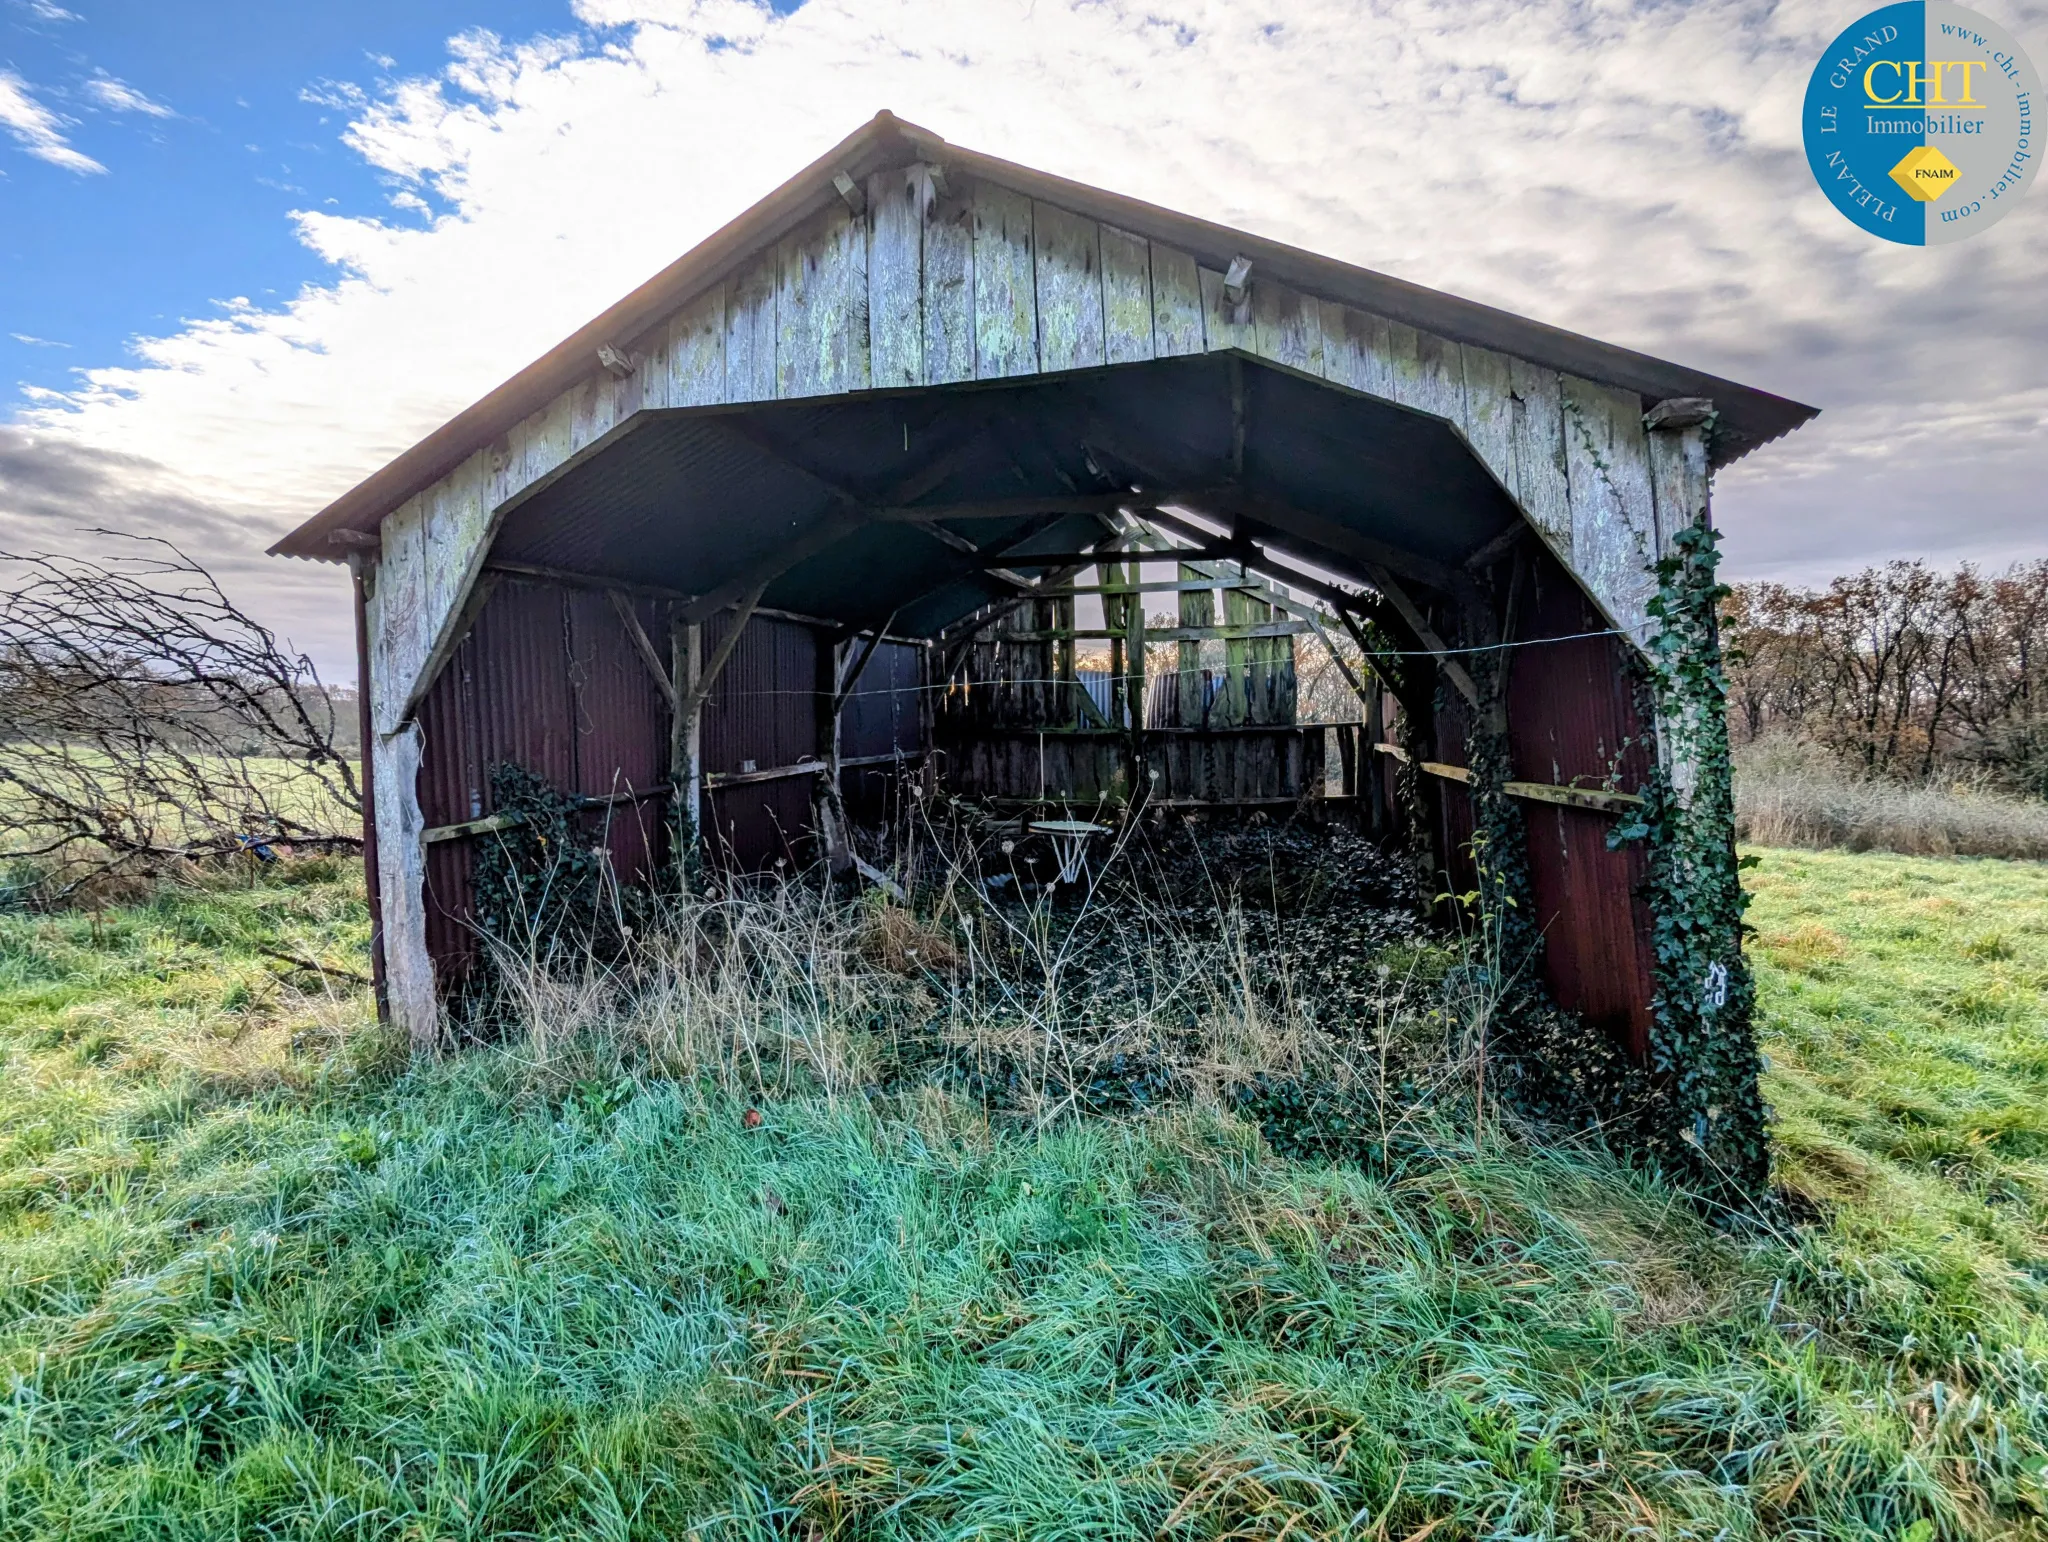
(1709, 1120)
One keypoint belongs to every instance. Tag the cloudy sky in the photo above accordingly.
(248, 252)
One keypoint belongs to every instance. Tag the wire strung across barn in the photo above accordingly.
(721, 693)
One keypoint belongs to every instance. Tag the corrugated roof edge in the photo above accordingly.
(1748, 417)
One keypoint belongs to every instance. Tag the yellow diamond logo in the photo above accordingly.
(1925, 173)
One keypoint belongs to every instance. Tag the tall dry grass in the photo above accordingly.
(1069, 1002)
(1793, 794)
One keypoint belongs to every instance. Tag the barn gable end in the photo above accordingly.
(984, 282)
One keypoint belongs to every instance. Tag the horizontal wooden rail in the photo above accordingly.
(716, 779)
(507, 821)
(1598, 800)
(712, 780)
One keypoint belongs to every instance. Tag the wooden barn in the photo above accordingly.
(877, 477)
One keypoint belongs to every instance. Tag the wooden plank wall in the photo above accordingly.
(987, 283)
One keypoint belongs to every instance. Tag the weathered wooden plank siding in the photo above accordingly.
(1607, 469)
(696, 360)
(397, 612)
(1287, 327)
(821, 307)
(646, 389)
(1678, 480)
(896, 216)
(593, 409)
(949, 291)
(1439, 377)
(1005, 285)
(457, 528)
(545, 443)
(750, 333)
(1225, 324)
(1126, 296)
(1349, 356)
(401, 886)
(988, 284)
(1396, 372)
(1068, 266)
(1489, 413)
(981, 283)
(1176, 304)
(1541, 479)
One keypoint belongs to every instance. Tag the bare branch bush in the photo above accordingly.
(149, 724)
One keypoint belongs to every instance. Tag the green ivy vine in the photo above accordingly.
(546, 894)
(1707, 1119)
(1694, 1110)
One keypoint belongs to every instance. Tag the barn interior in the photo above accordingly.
(742, 627)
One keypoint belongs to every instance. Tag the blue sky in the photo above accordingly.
(198, 182)
(441, 190)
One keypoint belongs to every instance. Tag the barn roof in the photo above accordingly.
(1747, 417)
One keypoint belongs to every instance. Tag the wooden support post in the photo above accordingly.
(835, 831)
(1134, 689)
(622, 606)
(828, 814)
(1197, 609)
(695, 675)
(1372, 781)
(686, 746)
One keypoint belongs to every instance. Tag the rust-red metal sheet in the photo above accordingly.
(546, 679)
(1572, 716)
(762, 714)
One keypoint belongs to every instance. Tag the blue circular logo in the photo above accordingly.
(1922, 123)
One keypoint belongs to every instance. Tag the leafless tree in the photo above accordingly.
(1901, 670)
(147, 721)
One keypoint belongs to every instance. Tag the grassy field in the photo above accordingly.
(255, 1281)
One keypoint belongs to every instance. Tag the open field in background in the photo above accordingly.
(1793, 794)
(256, 1280)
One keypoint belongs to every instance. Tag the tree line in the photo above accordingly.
(1902, 671)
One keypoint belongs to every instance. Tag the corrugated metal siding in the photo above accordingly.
(1572, 714)
(884, 715)
(883, 712)
(620, 729)
(763, 708)
(547, 679)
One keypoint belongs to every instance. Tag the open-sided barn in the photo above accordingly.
(821, 497)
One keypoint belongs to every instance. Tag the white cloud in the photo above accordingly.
(119, 96)
(48, 11)
(30, 341)
(1628, 170)
(36, 129)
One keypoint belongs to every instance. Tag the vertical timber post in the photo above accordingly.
(1372, 780)
(360, 573)
(1134, 688)
(686, 749)
(828, 813)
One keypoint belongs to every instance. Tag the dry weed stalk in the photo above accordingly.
(1046, 1005)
